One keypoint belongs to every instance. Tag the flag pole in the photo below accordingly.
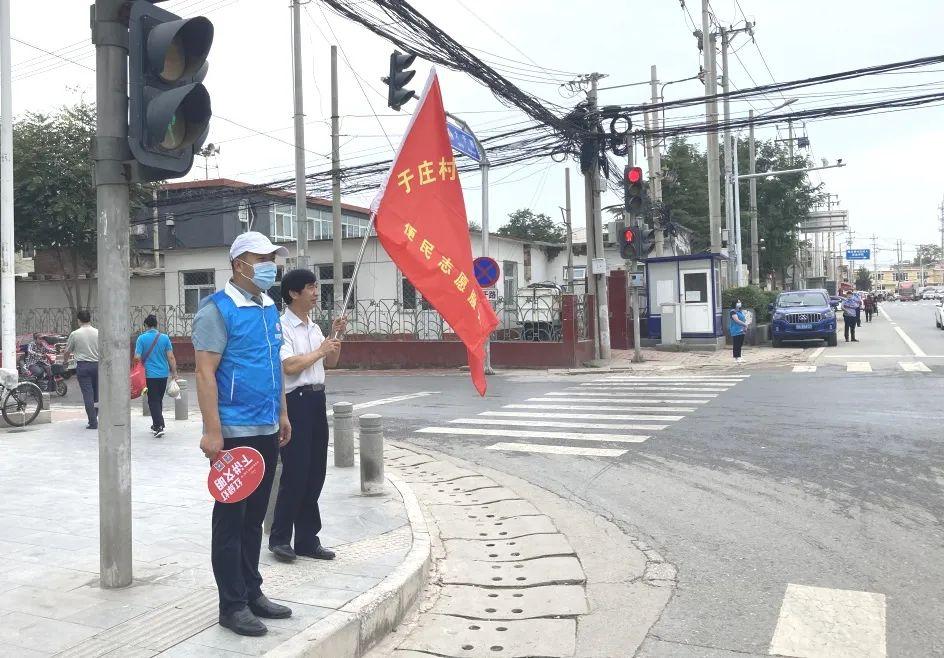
(357, 267)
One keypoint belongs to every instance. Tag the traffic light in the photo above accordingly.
(627, 243)
(169, 108)
(633, 189)
(643, 243)
(399, 76)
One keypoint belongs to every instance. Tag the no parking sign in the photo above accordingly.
(486, 271)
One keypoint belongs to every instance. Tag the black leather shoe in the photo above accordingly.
(263, 607)
(319, 553)
(283, 553)
(243, 622)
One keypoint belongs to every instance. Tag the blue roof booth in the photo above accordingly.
(694, 283)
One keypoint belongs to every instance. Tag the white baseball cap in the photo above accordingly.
(255, 243)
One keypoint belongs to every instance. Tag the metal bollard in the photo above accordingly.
(145, 409)
(372, 463)
(343, 434)
(182, 404)
(270, 507)
(46, 398)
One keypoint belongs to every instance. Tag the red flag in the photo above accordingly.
(421, 222)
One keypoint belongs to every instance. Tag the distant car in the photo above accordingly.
(803, 315)
(939, 315)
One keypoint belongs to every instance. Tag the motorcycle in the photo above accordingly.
(59, 371)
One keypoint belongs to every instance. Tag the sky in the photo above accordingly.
(892, 185)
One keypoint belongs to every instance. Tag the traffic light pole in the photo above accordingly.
(301, 193)
(109, 151)
(634, 293)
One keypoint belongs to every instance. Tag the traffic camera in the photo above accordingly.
(169, 108)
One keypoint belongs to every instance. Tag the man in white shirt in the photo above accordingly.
(305, 354)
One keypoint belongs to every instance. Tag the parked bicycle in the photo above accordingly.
(21, 404)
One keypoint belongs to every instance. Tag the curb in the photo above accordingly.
(353, 630)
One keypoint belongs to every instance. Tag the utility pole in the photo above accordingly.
(156, 230)
(301, 192)
(110, 150)
(874, 258)
(7, 259)
(570, 235)
(337, 237)
(711, 121)
(634, 294)
(655, 165)
(940, 211)
(728, 163)
(592, 194)
(752, 164)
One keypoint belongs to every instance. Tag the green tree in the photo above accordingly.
(781, 200)
(928, 253)
(54, 199)
(524, 224)
(863, 279)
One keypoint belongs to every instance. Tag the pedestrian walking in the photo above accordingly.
(869, 307)
(737, 326)
(237, 336)
(154, 349)
(850, 309)
(306, 353)
(83, 344)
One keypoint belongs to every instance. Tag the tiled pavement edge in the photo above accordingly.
(520, 571)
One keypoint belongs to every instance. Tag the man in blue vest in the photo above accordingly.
(237, 336)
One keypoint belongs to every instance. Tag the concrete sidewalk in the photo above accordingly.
(50, 599)
(658, 361)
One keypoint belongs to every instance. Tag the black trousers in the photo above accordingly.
(859, 317)
(156, 387)
(868, 315)
(738, 344)
(87, 374)
(304, 463)
(237, 532)
(850, 325)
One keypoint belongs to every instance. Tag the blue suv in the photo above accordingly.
(803, 315)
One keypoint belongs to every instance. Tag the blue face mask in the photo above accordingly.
(263, 274)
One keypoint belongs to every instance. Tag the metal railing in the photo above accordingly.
(532, 315)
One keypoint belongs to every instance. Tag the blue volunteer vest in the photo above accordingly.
(249, 377)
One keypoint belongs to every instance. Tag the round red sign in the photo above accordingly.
(235, 474)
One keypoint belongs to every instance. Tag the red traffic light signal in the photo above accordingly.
(628, 235)
(627, 243)
(633, 189)
(634, 175)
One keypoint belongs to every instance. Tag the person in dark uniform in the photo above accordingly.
(237, 337)
(305, 355)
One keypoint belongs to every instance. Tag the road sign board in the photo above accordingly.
(858, 254)
(463, 142)
(491, 294)
(486, 271)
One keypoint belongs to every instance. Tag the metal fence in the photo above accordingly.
(532, 315)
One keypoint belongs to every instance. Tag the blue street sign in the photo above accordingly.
(858, 254)
(486, 271)
(463, 142)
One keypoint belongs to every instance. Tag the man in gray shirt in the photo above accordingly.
(83, 343)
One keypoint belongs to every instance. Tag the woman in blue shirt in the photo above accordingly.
(737, 325)
(155, 350)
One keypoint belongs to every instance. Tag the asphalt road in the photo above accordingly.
(783, 481)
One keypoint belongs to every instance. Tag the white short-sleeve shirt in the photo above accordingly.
(298, 338)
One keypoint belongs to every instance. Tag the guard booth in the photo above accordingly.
(688, 287)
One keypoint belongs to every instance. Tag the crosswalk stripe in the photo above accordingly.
(613, 400)
(913, 366)
(672, 380)
(804, 368)
(525, 434)
(681, 377)
(818, 621)
(645, 394)
(557, 423)
(557, 450)
(594, 408)
(544, 414)
(858, 366)
(647, 387)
